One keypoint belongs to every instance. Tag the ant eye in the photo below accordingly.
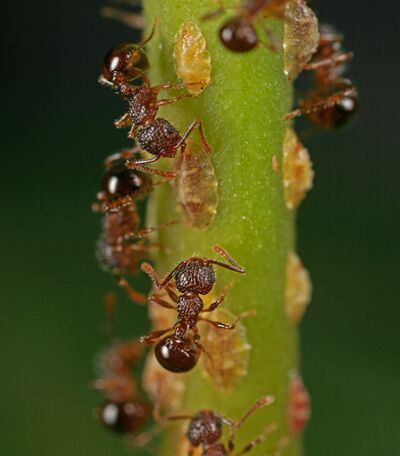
(176, 355)
(126, 60)
(238, 35)
(123, 418)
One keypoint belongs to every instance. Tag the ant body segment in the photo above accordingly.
(125, 62)
(334, 101)
(238, 33)
(121, 412)
(205, 430)
(121, 188)
(180, 351)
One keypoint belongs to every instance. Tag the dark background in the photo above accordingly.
(56, 128)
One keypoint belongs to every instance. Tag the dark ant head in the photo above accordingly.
(238, 35)
(340, 114)
(119, 182)
(204, 428)
(124, 63)
(176, 354)
(123, 418)
(195, 275)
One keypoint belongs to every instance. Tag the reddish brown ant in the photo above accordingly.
(116, 249)
(238, 33)
(122, 411)
(154, 134)
(180, 351)
(333, 102)
(205, 430)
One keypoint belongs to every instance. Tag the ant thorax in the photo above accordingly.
(189, 306)
(142, 105)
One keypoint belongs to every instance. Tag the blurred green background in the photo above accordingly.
(56, 128)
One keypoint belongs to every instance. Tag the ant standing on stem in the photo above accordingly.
(333, 102)
(153, 134)
(238, 33)
(122, 412)
(117, 252)
(180, 351)
(205, 430)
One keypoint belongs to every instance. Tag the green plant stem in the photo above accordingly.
(241, 113)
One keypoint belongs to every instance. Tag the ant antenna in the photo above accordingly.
(233, 265)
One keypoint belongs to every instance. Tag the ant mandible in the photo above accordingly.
(205, 430)
(180, 351)
(333, 102)
(121, 188)
(238, 33)
(122, 411)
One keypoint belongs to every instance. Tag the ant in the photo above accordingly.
(122, 412)
(154, 134)
(180, 351)
(121, 188)
(238, 33)
(334, 101)
(205, 430)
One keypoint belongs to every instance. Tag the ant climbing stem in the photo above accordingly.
(333, 101)
(179, 351)
(205, 429)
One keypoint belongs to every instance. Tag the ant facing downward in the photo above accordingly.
(122, 412)
(180, 351)
(121, 188)
(238, 33)
(205, 430)
(153, 134)
(333, 102)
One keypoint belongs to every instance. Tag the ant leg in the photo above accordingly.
(196, 123)
(229, 326)
(121, 155)
(148, 269)
(168, 101)
(215, 304)
(171, 293)
(161, 302)
(130, 291)
(261, 438)
(109, 304)
(333, 60)
(146, 231)
(153, 336)
(263, 402)
(233, 265)
(123, 121)
(115, 206)
(139, 164)
(322, 104)
(135, 21)
(216, 13)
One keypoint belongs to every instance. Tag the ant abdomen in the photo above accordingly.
(125, 417)
(118, 182)
(124, 62)
(238, 35)
(176, 354)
